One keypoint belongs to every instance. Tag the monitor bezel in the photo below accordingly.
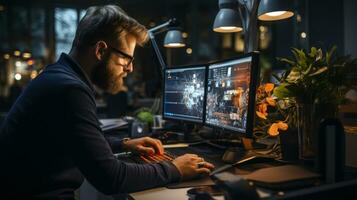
(201, 122)
(254, 77)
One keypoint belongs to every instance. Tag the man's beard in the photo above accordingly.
(106, 79)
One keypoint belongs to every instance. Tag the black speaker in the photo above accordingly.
(331, 150)
(138, 129)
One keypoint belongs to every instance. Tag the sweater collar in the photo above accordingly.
(74, 65)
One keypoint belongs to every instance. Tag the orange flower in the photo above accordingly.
(283, 126)
(261, 115)
(275, 127)
(271, 101)
(262, 111)
(263, 108)
(269, 87)
(260, 89)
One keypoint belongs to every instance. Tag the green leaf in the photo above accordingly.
(293, 76)
(285, 60)
(281, 91)
(300, 57)
(308, 70)
(321, 70)
(313, 52)
(319, 55)
(329, 54)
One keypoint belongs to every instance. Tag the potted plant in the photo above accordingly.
(315, 83)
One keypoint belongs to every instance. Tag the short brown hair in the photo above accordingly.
(107, 23)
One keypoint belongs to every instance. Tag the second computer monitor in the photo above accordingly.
(231, 94)
(184, 93)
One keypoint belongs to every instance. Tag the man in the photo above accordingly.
(51, 138)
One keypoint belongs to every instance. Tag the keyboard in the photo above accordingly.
(155, 158)
(148, 159)
(212, 155)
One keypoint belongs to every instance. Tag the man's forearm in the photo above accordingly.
(116, 143)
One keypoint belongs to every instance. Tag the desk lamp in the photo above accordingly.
(243, 15)
(173, 38)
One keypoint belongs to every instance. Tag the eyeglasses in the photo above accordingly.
(127, 57)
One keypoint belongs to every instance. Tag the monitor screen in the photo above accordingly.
(228, 94)
(184, 92)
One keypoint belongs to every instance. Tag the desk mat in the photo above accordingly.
(192, 183)
(280, 177)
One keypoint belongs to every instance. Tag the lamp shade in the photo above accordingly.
(272, 10)
(173, 39)
(227, 20)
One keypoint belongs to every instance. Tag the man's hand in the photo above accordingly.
(145, 145)
(190, 166)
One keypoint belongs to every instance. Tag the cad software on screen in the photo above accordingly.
(184, 93)
(228, 94)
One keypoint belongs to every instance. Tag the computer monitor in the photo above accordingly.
(184, 93)
(231, 86)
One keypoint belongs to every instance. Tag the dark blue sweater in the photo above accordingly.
(51, 140)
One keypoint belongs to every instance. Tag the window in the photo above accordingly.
(38, 32)
(65, 28)
(4, 31)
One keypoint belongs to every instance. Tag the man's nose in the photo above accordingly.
(129, 68)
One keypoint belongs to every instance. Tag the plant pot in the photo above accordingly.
(308, 122)
(289, 145)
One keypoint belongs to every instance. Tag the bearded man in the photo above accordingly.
(51, 139)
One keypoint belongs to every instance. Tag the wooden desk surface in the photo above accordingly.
(176, 194)
(161, 193)
(164, 193)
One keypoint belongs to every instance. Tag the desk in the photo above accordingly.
(345, 189)
(341, 190)
(180, 193)
(324, 191)
(175, 194)
(162, 193)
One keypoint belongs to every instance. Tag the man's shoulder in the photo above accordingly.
(59, 75)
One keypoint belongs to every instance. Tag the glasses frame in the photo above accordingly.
(123, 54)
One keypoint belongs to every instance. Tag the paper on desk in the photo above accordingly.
(110, 124)
(178, 145)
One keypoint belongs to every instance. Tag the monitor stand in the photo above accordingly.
(236, 149)
(241, 151)
(191, 133)
(187, 133)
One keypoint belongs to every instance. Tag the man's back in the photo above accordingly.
(33, 153)
(51, 139)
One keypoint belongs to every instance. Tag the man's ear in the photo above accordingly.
(100, 48)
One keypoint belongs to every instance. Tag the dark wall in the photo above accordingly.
(350, 19)
(326, 24)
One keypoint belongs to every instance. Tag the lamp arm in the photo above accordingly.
(161, 26)
(157, 50)
(250, 22)
(244, 4)
(156, 29)
(242, 9)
